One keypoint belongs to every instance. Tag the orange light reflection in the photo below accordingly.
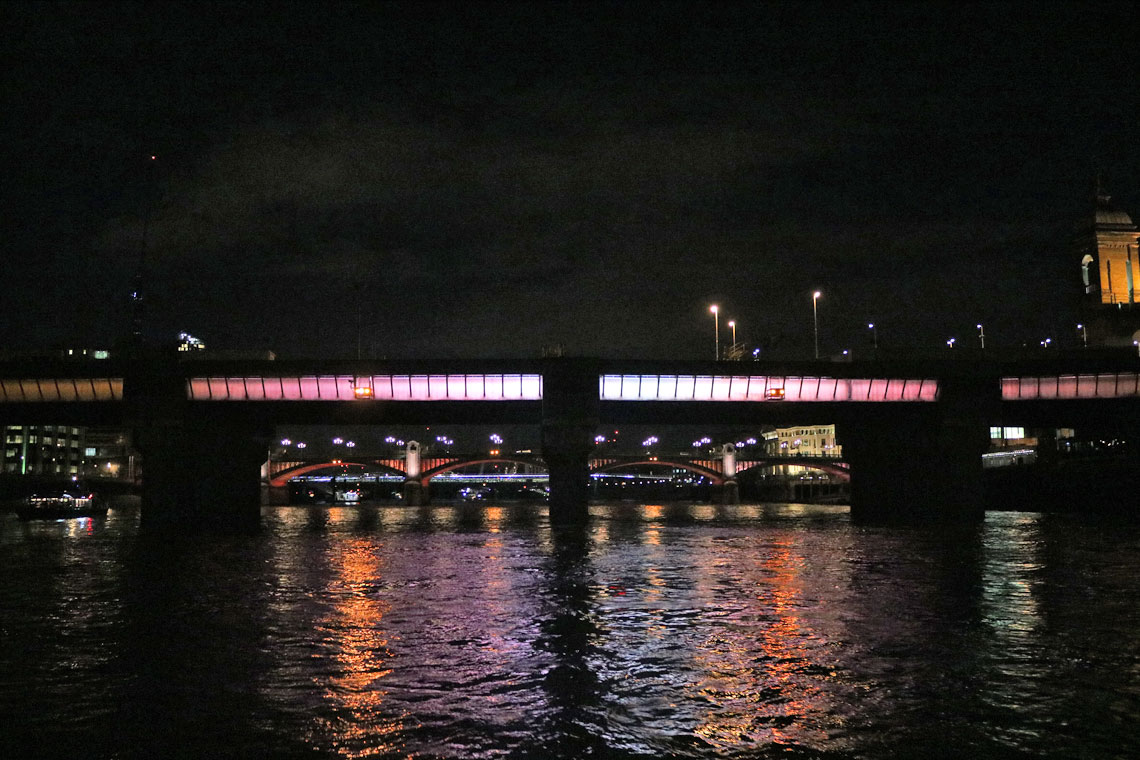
(354, 629)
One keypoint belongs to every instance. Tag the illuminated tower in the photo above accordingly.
(1108, 246)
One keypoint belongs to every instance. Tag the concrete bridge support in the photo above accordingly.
(414, 491)
(199, 475)
(916, 468)
(924, 464)
(730, 489)
(569, 422)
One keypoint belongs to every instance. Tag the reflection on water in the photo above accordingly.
(659, 630)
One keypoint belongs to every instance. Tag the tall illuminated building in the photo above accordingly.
(50, 450)
(1108, 248)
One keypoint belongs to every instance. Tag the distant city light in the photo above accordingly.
(188, 342)
(286, 442)
(301, 445)
(496, 438)
(390, 439)
(350, 444)
(338, 440)
(599, 439)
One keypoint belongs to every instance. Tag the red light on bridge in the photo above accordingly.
(362, 391)
(774, 394)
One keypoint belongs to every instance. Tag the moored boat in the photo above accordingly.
(60, 505)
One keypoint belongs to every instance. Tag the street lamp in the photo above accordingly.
(1084, 335)
(732, 324)
(874, 335)
(950, 342)
(815, 318)
(716, 326)
(982, 336)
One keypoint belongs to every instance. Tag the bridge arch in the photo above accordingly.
(716, 477)
(461, 463)
(282, 478)
(838, 469)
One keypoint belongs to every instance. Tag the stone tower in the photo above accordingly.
(1108, 248)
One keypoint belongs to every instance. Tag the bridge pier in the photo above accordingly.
(198, 475)
(908, 468)
(569, 422)
(730, 492)
(415, 492)
(730, 489)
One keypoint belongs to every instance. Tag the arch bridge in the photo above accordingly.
(280, 473)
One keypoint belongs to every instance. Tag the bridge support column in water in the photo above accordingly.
(922, 464)
(730, 489)
(201, 475)
(569, 422)
(415, 493)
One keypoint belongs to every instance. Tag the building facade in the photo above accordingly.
(803, 441)
(49, 450)
(1108, 246)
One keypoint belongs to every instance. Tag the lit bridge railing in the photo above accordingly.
(34, 390)
(479, 387)
(1102, 385)
(764, 388)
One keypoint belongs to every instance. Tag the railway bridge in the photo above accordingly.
(912, 431)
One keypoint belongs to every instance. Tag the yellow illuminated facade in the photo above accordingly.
(804, 441)
(1108, 250)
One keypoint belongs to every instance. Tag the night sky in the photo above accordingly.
(476, 180)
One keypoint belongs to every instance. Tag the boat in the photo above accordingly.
(60, 505)
(350, 496)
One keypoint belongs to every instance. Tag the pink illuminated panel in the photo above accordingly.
(344, 388)
(1104, 385)
(761, 388)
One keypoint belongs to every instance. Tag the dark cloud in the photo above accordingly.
(489, 179)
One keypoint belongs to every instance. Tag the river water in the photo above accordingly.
(475, 631)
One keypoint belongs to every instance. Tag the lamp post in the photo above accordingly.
(732, 324)
(815, 319)
(1084, 335)
(982, 336)
(716, 327)
(874, 335)
(950, 342)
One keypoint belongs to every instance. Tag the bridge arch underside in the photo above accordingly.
(836, 470)
(714, 476)
(282, 478)
(427, 476)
